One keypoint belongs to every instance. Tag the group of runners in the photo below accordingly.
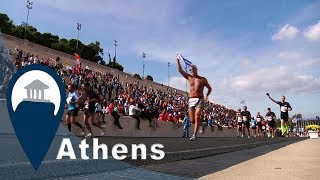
(260, 126)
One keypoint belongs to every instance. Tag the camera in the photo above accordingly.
(268, 94)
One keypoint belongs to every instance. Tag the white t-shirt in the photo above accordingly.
(132, 110)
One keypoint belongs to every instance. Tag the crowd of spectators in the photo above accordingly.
(130, 98)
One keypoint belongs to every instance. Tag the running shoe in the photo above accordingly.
(193, 138)
(88, 135)
(101, 132)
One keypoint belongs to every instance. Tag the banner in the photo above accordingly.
(77, 57)
(186, 61)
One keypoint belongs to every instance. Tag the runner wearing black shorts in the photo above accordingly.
(285, 107)
(246, 116)
(259, 123)
(239, 123)
(73, 109)
(90, 98)
(270, 116)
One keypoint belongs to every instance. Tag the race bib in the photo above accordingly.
(253, 124)
(193, 102)
(284, 109)
(269, 118)
(258, 119)
(239, 119)
(245, 118)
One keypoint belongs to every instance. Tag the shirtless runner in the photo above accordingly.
(196, 100)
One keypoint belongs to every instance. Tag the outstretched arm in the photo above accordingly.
(209, 88)
(272, 99)
(182, 72)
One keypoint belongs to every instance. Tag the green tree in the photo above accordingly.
(18, 32)
(150, 78)
(6, 24)
(297, 116)
(115, 65)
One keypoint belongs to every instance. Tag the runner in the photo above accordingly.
(90, 98)
(259, 123)
(196, 100)
(73, 109)
(254, 127)
(285, 107)
(270, 116)
(246, 116)
(98, 111)
(239, 123)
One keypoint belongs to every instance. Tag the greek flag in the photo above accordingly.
(243, 102)
(186, 61)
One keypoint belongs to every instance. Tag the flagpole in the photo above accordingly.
(169, 74)
(186, 80)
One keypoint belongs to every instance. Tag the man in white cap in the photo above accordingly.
(197, 99)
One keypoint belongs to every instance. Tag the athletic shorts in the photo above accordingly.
(285, 118)
(272, 124)
(195, 103)
(240, 124)
(88, 112)
(254, 127)
(246, 123)
(259, 125)
(73, 112)
(99, 112)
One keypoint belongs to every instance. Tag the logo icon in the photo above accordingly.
(35, 100)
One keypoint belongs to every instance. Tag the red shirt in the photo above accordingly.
(161, 117)
(111, 108)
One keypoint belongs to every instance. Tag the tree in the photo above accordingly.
(115, 66)
(150, 78)
(297, 116)
(18, 32)
(6, 24)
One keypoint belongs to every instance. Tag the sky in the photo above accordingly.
(244, 48)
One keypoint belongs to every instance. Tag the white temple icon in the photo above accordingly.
(35, 91)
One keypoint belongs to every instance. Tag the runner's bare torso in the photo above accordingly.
(196, 86)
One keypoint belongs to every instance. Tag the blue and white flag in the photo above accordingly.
(243, 102)
(186, 61)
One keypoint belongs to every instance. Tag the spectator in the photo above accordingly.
(134, 112)
(186, 126)
(114, 114)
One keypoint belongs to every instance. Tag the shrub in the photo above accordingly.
(312, 127)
